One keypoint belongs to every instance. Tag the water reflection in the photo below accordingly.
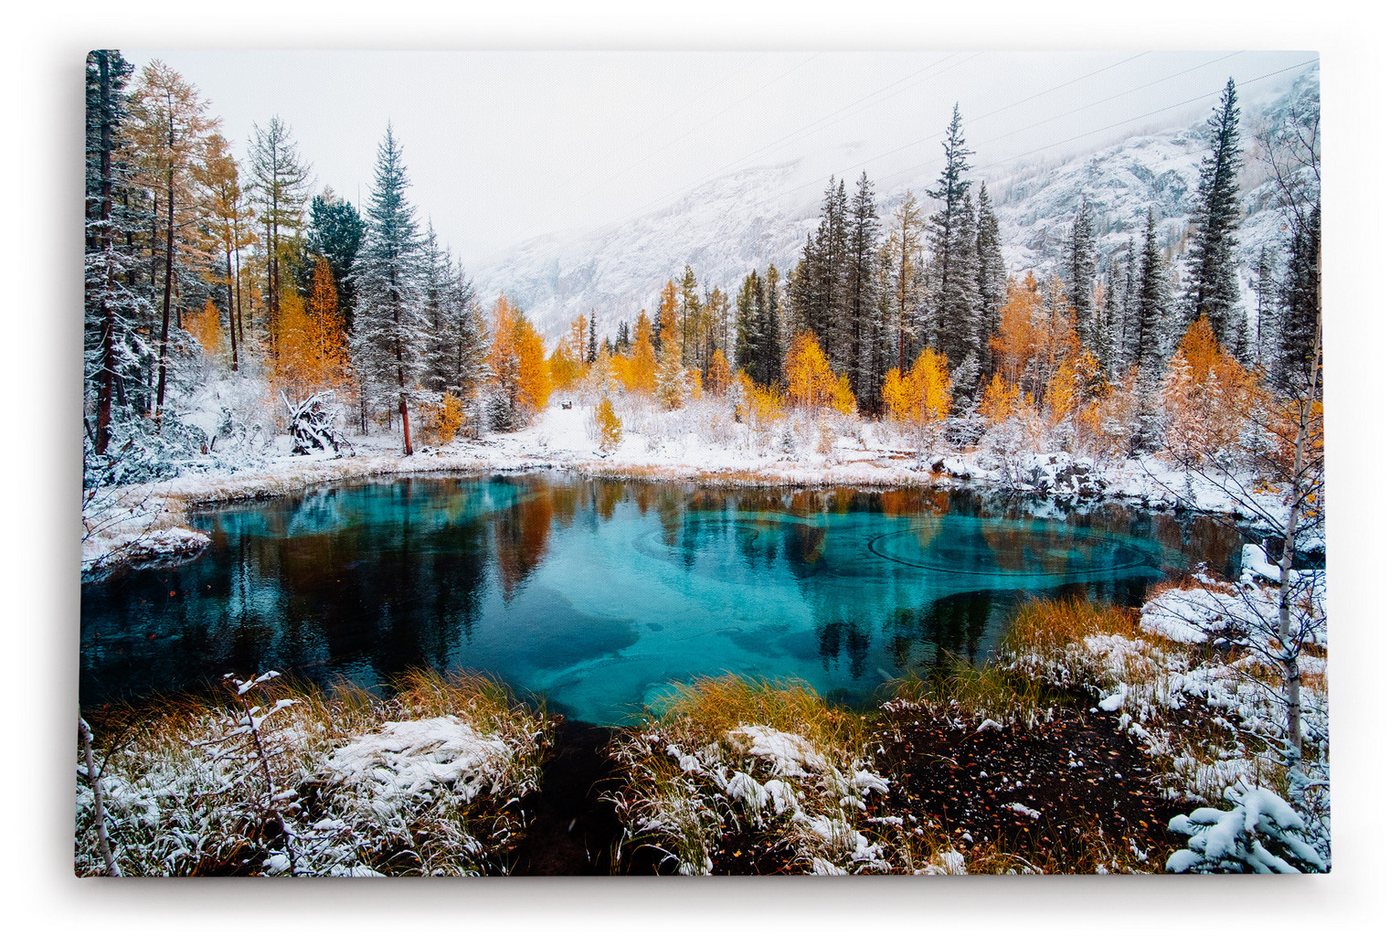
(597, 593)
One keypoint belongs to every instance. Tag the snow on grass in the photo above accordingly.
(772, 759)
(426, 782)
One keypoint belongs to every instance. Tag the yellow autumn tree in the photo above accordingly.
(565, 369)
(520, 381)
(607, 425)
(207, 328)
(1206, 395)
(312, 354)
(759, 406)
(923, 396)
(1002, 399)
(720, 376)
(811, 383)
(1014, 343)
(637, 371)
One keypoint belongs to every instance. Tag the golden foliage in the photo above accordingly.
(206, 326)
(923, 395)
(1002, 399)
(810, 380)
(1015, 340)
(312, 354)
(759, 406)
(446, 419)
(607, 424)
(516, 358)
(565, 370)
(720, 376)
(1207, 394)
(637, 371)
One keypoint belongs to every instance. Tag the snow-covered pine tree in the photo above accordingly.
(388, 277)
(910, 279)
(592, 337)
(115, 353)
(944, 231)
(960, 304)
(862, 293)
(689, 311)
(1211, 287)
(1080, 261)
(1264, 341)
(991, 278)
(1300, 303)
(774, 343)
(1152, 306)
(748, 324)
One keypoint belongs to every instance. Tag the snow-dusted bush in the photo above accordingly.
(300, 781)
(1260, 834)
(774, 758)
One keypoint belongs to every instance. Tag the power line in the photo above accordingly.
(708, 120)
(1097, 71)
(1113, 97)
(718, 173)
(1038, 149)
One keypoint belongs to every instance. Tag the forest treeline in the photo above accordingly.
(201, 266)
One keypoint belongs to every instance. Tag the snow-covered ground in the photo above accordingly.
(701, 443)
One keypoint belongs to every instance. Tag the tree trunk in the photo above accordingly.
(403, 415)
(169, 281)
(232, 310)
(104, 390)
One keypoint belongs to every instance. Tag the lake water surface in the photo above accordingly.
(598, 594)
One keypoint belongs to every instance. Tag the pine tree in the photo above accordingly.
(592, 337)
(862, 290)
(909, 278)
(689, 325)
(335, 231)
(1152, 305)
(1300, 306)
(748, 323)
(114, 350)
(1079, 267)
(388, 279)
(772, 348)
(1265, 338)
(950, 194)
(959, 302)
(1211, 287)
(991, 277)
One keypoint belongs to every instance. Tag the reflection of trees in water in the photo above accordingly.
(835, 636)
(921, 638)
(522, 534)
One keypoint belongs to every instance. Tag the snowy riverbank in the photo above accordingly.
(140, 523)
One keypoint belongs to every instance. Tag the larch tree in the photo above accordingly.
(227, 214)
(278, 181)
(169, 129)
(388, 280)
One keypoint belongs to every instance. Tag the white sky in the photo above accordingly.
(502, 146)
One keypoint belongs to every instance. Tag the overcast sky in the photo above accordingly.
(503, 146)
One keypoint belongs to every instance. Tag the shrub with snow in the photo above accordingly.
(1261, 834)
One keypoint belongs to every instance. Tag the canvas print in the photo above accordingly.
(702, 463)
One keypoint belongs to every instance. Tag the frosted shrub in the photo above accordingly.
(1261, 835)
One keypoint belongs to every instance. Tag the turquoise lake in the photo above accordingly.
(598, 594)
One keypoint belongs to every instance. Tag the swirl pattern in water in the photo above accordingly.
(598, 594)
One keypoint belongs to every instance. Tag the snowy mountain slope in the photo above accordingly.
(751, 218)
